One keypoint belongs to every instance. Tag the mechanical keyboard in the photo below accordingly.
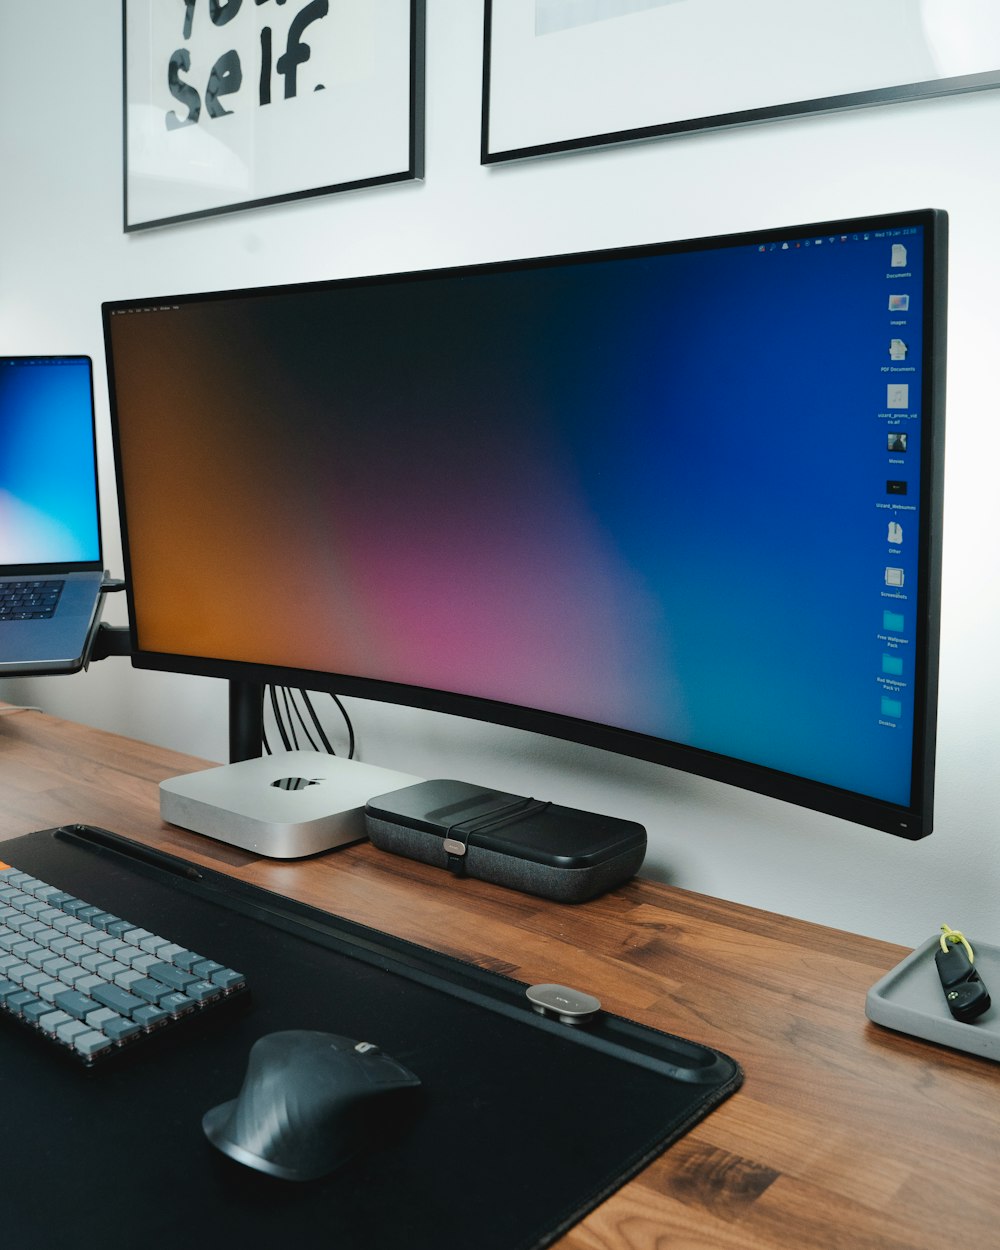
(92, 982)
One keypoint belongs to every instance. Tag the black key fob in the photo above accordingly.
(966, 995)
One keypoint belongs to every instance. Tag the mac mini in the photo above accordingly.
(284, 806)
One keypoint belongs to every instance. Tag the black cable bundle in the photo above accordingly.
(289, 708)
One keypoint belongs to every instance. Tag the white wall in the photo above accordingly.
(62, 251)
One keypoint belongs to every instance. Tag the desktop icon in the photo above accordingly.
(893, 577)
(898, 395)
(895, 533)
(899, 303)
(897, 349)
(898, 256)
(892, 621)
(892, 665)
(891, 707)
(896, 442)
(895, 488)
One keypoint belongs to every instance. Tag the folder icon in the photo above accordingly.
(892, 621)
(892, 664)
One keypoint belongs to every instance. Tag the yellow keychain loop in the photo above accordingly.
(948, 934)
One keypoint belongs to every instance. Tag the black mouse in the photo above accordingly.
(309, 1102)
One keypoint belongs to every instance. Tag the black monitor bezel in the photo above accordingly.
(911, 822)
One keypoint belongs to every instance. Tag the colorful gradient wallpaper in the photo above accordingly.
(48, 474)
(656, 491)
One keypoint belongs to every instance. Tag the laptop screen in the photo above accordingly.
(48, 469)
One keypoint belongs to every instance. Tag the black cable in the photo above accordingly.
(285, 721)
(277, 717)
(289, 721)
(350, 727)
(266, 746)
(304, 695)
(316, 721)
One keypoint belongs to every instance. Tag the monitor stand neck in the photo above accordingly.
(246, 720)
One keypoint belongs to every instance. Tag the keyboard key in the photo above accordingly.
(55, 964)
(72, 1028)
(169, 975)
(120, 1029)
(118, 999)
(91, 1043)
(25, 948)
(167, 953)
(50, 990)
(8, 988)
(73, 974)
(110, 969)
(186, 960)
(140, 961)
(103, 919)
(53, 1020)
(152, 991)
(75, 1003)
(202, 991)
(34, 1010)
(150, 1016)
(227, 978)
(176, 1003)
(204, 969)
(86, 984)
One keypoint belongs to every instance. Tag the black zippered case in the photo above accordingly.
(556, 852)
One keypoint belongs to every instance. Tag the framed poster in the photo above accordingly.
(560, 75)
(229, 104)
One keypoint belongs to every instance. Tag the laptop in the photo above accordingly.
(51, 566)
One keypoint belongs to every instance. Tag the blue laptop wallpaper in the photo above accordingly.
(48, 474)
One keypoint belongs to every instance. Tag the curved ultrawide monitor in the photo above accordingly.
(680, 501)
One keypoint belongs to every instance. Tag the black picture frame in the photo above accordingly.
(231, 104)
(591, 73)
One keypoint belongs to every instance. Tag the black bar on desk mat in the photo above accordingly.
(523, 1126)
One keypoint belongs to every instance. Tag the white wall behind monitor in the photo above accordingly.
(62, 251)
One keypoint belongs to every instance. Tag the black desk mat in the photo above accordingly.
(524, 1124)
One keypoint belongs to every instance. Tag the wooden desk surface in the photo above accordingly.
(844, 1134)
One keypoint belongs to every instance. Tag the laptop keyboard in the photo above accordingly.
(92, 982)
(29, 600)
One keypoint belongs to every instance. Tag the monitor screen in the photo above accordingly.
(680, 501)
(48, 468)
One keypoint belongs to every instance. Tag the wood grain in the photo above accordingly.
(844, 1134)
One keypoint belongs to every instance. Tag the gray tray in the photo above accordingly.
(910, 1000)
